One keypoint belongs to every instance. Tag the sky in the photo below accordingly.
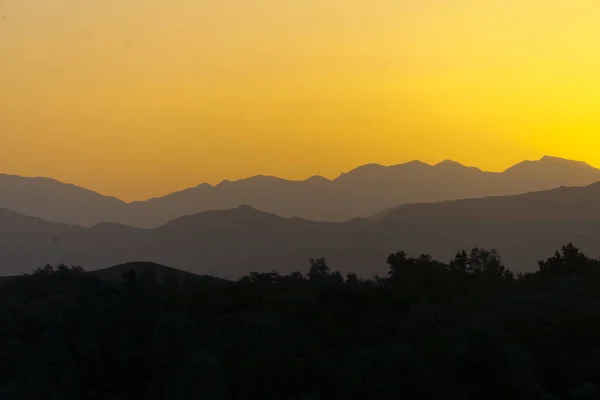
(139, 98)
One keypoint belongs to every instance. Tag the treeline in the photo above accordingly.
(465, 329)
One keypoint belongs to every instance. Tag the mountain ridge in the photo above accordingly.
(362, 192)
(230, 243)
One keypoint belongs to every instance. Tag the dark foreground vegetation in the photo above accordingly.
(467, 329)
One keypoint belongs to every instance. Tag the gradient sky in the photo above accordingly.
(137, 98)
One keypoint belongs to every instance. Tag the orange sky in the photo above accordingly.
(138, 98)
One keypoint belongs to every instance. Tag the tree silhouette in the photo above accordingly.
(399, 262)
(569, 261)
(318, 269)
(460, 262)
(468, 329)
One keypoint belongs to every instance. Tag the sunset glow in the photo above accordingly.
(139, 98)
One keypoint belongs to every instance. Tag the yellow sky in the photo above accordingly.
(138, 98)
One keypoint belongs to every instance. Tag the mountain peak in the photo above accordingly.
(262, 178)
(550, 161)
(414, 163)
(243, 215)
(374, 170)
(547, 158)
(246, 208)
(367, 167)
(449, 163)
(317, 179)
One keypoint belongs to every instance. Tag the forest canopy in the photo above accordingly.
(464, 329)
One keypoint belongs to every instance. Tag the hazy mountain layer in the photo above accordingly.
(361, 192)
(230, 243)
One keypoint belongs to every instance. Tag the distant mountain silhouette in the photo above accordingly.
(59, 202)
(14, 223)
(361, 192)
(228, 244)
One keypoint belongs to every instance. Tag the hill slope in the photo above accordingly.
(161, 273)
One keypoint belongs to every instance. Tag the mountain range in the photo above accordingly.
(230, 243)
(362, 192)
